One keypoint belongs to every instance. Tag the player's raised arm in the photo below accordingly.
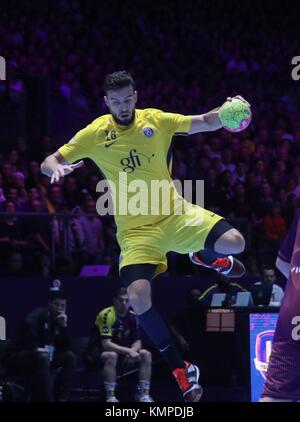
(59, 164)
(56, 167)
(233, 115)
(206, 122)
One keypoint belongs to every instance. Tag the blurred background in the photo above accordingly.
(186, 57)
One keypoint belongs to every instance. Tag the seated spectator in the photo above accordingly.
(90, 226)
(2, 196)
(274, 225)
(38, 229)
(240, 174)
(252, 266)
(18, 182)
(34, 173)
(239, 204)
(55, 201)
(269, 278)
(15, 266)
(42, 345)
(7, 170)
(116, 342)
(11, 194)
(41, 265)
(11, 231)
(223, 285)
(71, 192)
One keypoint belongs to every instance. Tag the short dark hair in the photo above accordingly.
(56, 294)
(120, 291)
(268, 268)
(118, 80)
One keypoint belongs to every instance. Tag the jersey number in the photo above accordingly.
(110, 135)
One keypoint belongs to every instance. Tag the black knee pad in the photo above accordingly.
(131, 273)
(221, 227)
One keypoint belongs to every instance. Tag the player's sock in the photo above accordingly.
(157, 331)
(110, 388)
(143, 387)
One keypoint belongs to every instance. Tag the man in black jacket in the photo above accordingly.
(41, 346)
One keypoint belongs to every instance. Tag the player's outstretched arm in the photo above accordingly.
(56, 167)
(210, 121)
(283, 266)
(205, 122)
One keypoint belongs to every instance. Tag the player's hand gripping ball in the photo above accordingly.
(235, 114)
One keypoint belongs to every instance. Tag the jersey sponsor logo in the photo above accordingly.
(133, 161)
(105, 330)
(110, 138)
(148, 131)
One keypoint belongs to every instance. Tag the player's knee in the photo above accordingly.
(146, 356)
(237, 242)
(231, 242)
(109, 358)
(139, 294)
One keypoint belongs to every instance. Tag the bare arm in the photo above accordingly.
(209, 121)
(109, 346)
(137, 345)
(50, 163)
(283, 266)
(205, 122)
(56, 167)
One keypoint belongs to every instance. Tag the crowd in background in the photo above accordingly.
(185, 58)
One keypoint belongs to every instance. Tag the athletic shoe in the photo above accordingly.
(112, 399)
(187, 379)
(228, 265)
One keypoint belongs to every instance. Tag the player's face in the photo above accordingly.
(121, 104)
(57, 307)
(269, 276)
(121, 304)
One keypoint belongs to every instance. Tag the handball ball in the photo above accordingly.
(235, 115)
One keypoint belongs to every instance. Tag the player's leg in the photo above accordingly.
(137, 279)
(221, 242)
(144, 376)
(109, 374)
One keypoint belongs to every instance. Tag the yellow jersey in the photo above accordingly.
(132, 158)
